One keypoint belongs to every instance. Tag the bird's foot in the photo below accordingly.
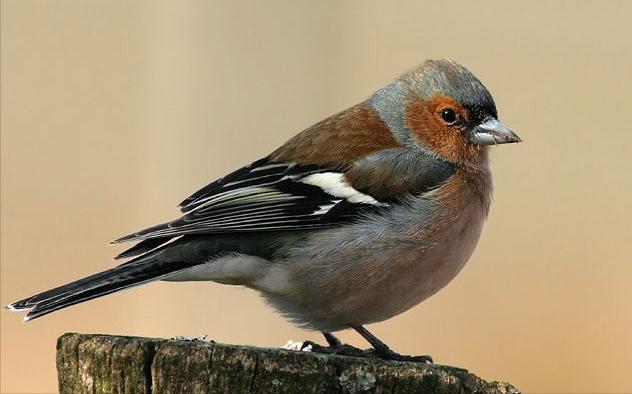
(341, 349)
(388, 354)
(381, 350)
(351, 351)
(334, 345)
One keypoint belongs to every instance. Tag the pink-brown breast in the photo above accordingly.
(371, 271)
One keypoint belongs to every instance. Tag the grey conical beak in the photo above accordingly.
(491, 131)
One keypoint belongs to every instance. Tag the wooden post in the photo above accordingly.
(115, 364)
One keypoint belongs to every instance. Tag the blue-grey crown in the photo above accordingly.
(448, 78)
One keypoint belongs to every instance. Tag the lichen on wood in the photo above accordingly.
(116, 364)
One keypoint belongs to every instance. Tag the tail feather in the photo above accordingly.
(143, 269)
(58, 292)
(103, 283)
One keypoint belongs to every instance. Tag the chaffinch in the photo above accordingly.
(352, 221)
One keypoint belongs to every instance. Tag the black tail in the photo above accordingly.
(147, 268)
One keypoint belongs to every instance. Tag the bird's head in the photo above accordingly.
(442, 108)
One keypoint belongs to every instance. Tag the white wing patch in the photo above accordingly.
(333, 183)
(263, 197)
(323, 209)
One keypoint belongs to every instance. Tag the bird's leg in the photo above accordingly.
(332, 340)
(383, 351)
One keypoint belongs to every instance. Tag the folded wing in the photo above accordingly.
(273, 196)
(265, 196)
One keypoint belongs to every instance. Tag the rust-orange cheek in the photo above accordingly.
(443, 140)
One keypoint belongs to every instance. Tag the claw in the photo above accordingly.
(391, 355)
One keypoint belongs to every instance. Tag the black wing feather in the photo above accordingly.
(273, 196)
(263, 196)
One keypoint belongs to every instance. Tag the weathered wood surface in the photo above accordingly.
(115, 364)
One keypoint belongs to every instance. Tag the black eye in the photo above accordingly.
(449, 115)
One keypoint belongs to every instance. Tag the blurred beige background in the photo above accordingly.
(113, 111)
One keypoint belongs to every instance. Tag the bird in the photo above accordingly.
(352, 221)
